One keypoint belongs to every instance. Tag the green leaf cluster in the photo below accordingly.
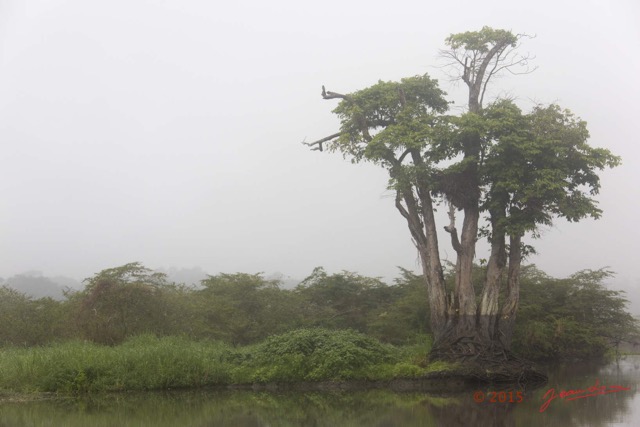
(480, 41)
(244, 308)
(27, 321)
(121, 302)
(318, 354)
(388, 117)
(538, 166)
(576, 318)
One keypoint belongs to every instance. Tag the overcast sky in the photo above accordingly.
(168, 132)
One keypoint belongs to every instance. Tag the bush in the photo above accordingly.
(318, 354)
(25, 321)
(576, 318)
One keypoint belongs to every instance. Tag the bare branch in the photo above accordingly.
(321, 141)
(491, 73)
(522, 61)
(333, 95)
(451, 54)
(328, 95)
(528, 71)
(475, 67)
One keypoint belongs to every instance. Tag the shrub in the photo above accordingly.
(318, 354)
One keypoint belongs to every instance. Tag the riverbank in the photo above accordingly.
(437, 383)
(335, 407)
(307, 359)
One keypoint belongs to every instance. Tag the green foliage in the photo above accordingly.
(133, 272)
(573, 318)
(524, 170)
(539, 166)
(481, 41)
(149, 363)
(388, 117)
(318, 354)
(121, 302)
(403, 316)
(343, 300)
(569, 319)
(142, 363)
(25, 321)
(243, 308)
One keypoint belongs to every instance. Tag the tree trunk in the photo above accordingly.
(462, 310)
(507, 319)
(489, 305)
(421, 224)
(435, 278)
(479, 336)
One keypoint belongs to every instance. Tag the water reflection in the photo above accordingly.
(367, 408)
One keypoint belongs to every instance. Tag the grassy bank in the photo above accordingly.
(149, 363)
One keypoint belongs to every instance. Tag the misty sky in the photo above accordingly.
(168, 132)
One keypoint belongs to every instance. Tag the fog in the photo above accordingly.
(169, 132)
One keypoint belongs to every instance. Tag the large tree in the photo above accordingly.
(518, 171)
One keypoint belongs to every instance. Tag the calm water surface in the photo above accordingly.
(367, 408)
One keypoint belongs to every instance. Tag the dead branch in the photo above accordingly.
(321, 141)
(333, 95)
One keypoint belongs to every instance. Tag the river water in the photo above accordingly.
(366, 408)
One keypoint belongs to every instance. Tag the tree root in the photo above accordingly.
(487, 362)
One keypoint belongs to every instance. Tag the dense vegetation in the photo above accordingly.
(130, 329)
(147, 362)
(576, 317)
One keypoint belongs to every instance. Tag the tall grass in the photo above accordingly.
(150, 363)
(142, 363)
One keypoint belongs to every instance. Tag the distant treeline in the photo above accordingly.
(572, 318)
